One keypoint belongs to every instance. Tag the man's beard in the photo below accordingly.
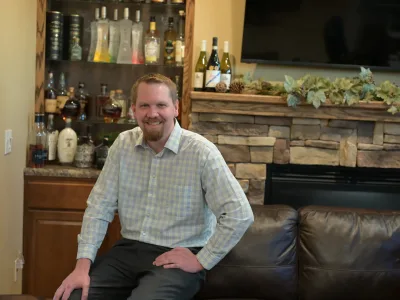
(153, 135)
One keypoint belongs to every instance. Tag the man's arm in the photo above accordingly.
(101, 206)
(227, 201)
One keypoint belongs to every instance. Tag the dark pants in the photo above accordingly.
(127, 272)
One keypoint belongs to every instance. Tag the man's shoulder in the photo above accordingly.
(131, 136)
(195, 141)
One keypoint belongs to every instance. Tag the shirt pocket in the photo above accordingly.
(180, 202)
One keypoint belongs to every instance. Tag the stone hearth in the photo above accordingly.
(249, 142)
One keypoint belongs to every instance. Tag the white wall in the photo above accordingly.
(17, 89)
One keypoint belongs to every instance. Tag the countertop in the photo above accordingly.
(62, 171)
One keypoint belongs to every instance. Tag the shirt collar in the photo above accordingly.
(172, 142)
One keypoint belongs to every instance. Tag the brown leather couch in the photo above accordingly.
(316, 253)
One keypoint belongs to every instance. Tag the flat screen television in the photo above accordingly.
(340, 33)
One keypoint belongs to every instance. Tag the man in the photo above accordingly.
(181, 209)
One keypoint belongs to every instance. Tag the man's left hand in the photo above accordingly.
(181, 258)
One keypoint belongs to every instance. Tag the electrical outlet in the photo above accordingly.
(7, 141)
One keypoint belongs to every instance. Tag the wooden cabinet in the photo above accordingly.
(53, 213)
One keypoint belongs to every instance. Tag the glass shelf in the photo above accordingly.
(130, 3)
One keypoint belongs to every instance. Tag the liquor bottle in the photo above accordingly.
(52, 138)
(37, 144)
(101, 54)
(137, 40)
(72, 107)
(83, 99)
(114, 38)
(180, 40)
(102, 153)
(169, 43)
(125, 46)
(50, 95)
(66, 145)
(62, 95)
(111, 109)
(226, 71)
(200, 69)
(101, 99)
(84, 155)
(152, 44)
(120, 99)
(93, 34)
(213, 72)
(76, 50)
(44, 137)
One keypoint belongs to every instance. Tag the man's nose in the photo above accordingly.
(153, 112)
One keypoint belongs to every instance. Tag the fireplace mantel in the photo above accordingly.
(275, 106)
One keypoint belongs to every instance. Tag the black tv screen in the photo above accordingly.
(342, 33)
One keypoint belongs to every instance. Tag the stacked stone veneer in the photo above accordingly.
(248, 143)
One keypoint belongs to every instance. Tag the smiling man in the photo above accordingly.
(181, 209)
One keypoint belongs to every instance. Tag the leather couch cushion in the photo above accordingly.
(348, 254)
(263, 264)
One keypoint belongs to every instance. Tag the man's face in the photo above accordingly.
(155, 111)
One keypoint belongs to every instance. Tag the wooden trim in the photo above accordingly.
(258, 105)
(188, 63)
(40, 54)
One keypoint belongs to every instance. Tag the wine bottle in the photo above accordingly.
(152, 44)
(200, 68)
(113, 47)
(226, 71)
(213, 72)
(125, 47)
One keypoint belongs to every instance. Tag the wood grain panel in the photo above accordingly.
(188, 67)
(49, 193)
(40, 54)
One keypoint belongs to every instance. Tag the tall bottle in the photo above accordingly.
(101, 54)
(169, 43)
(83, 98)
(137, 40)
(102, 99)
(37, 144)
(180, 40)
(72, 107)
(226, 71)
(50, 95)
(200, 69)
(152, 44)
(52, 138)
(125, 46)
(213, 72)
(114, 38)
(62, 94)
(66, 145)
(93, 34)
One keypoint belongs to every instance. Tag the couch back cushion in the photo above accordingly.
(348, 254)
(263, 264)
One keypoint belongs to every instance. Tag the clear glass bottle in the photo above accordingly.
(76, 50)
(226, 70)
(180, 40)
(101, 99)
(50, 95)
(72, 107)
(62, 94)
(37, 144)
(83, 98)
(213, 72)
(101, 54)
(84, 156)
(114, 38)
(102, 153)
(66, 145)
(152, 44)
(125, 46)
(137, 40)
(120, 99)
(44, 138)
(52, 138)
(200, 68)
(93, 34)
(111, 109)
(169, 43)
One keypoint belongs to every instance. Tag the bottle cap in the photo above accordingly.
(104, 12)
(115, 14)
(203, 45)
(215, 41)
(226, 47)
(97, 13)
(126, 13)
(138, 16)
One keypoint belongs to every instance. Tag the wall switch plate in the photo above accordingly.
(7, 141)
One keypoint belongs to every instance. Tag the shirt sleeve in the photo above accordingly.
(226, 199)
(101, 206)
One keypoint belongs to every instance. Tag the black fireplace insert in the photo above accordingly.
(301, 185)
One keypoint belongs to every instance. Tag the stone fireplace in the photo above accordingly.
(249, 140)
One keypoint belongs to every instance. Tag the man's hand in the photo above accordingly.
(78, 279)
(181, 258)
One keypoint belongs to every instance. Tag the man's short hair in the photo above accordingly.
(154, 78)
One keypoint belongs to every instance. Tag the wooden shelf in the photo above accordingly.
(259, 105)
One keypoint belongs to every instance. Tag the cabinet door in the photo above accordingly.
(50, 246)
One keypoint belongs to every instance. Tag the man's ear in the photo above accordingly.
(176, 108)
